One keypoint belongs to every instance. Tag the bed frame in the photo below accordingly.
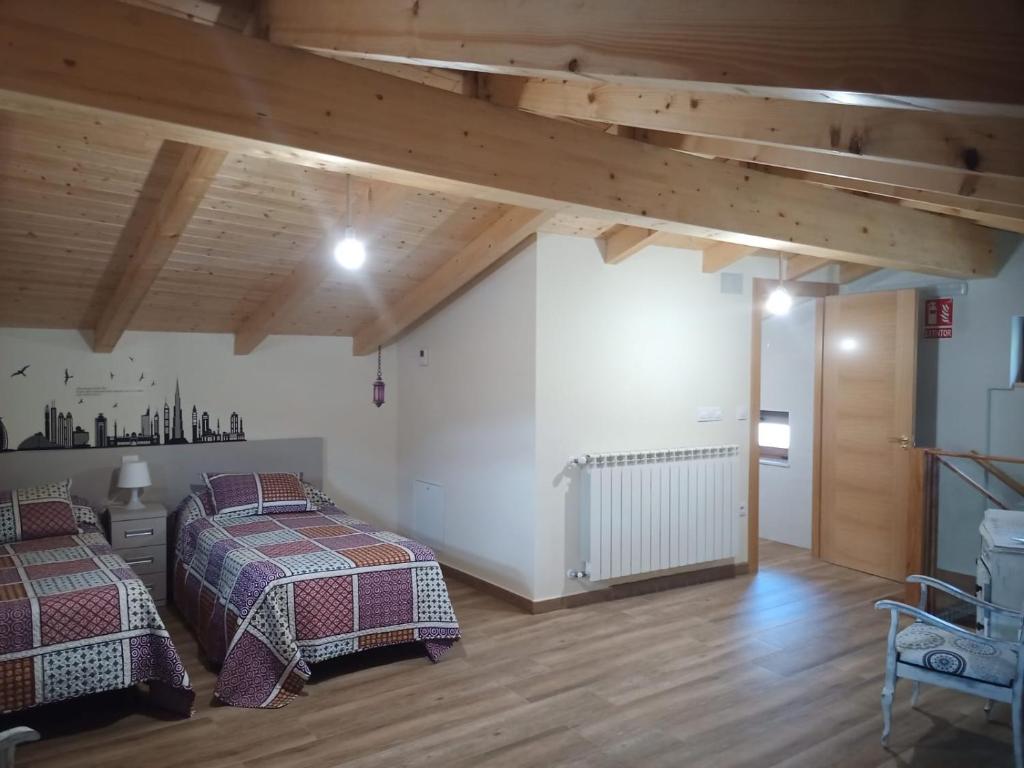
(173, 468)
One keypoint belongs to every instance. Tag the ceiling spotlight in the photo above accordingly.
(350, 251)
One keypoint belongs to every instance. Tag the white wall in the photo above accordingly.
(787, 384)
(466, 423)
(962, 399)
(625, 356)
(291, 386)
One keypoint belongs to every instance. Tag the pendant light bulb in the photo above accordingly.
(779, 301)
(349, 252)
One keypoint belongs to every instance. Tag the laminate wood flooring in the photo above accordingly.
(779, 670)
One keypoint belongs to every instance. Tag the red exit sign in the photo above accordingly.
(938, 318)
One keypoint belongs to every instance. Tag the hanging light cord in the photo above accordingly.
(378, 364)
(780, 269)
(348, 203)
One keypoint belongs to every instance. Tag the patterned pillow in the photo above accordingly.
(84, 514)
(34, 513)
(317, 498)
(203, 498)
(256, 493)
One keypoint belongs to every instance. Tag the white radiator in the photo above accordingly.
(654, 510)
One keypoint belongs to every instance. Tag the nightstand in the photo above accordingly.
(140, 537)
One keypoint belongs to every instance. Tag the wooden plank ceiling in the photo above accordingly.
(67, 190)
(236, 238)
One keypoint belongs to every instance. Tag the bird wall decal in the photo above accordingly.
(21, 372)
(115, 405)
(67, 377)
(80, 401)
(111, 375)
(131, 358)
(142, 376)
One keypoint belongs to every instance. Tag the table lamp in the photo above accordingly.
(134, 475)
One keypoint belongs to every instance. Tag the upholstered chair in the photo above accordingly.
(934, 651)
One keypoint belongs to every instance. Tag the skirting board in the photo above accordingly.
(613, 592)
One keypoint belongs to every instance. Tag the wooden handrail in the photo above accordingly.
(1010, 482)
(974, 455)
(923, 533)
(971, 482)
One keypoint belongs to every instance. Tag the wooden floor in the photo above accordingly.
(782, 669)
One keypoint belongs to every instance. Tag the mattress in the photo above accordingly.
(269, 595)
(75, 620)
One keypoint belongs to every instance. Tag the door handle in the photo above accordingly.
(902, 440)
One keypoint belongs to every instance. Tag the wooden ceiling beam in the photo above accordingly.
(178, 181)
(850, 272)
(797, 266)
(217, 88)
(721, 255)
(371, 209)
(987, 213)
(948, 181)
(487, 249)
(826, 50)
(984, 144)
(622, 242)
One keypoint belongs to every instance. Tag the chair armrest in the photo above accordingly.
(949, 589)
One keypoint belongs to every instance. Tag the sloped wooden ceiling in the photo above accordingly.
(252, 256)
(68, 188)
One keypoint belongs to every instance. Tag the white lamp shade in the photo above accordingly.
(134, 474)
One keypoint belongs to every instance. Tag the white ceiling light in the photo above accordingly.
(779, 301)
(349, 251)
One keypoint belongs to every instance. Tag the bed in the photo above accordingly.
(269, 594)
(74, 618)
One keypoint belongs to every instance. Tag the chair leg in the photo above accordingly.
(915, 694)
(887, 694)
(889, 686)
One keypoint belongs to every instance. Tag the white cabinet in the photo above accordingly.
(1001, 567)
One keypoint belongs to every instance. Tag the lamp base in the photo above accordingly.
(135, 502)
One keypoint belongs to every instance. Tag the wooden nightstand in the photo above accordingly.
(140, 537)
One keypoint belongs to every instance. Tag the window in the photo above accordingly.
(773, 436)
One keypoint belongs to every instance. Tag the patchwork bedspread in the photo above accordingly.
(268, 595)
(74, 620)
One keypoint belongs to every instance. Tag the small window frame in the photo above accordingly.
(774, 454)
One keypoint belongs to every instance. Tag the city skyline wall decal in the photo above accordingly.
(61, 432)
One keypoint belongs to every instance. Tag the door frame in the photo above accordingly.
(818, 292)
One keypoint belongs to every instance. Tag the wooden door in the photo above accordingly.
(869, 366)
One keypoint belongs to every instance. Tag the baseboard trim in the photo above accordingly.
(487, 587)
(602, 595)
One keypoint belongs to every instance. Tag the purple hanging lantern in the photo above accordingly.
(378, 385)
